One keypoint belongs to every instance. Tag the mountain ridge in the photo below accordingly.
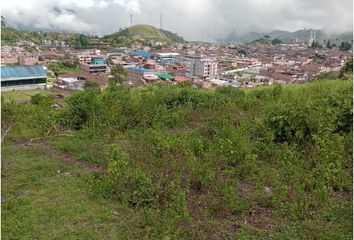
(287, 36)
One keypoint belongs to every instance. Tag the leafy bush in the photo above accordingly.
(82, 108)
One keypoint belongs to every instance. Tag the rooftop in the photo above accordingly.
(15, 72)
(139, 69)
(142, 53)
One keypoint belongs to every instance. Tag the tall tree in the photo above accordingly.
(345, 46)
(329, 44)
(119, 74)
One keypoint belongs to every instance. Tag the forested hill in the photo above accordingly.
(143, 32)
(288, 37)
(124, 37)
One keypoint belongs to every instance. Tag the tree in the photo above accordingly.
(83, 41)
(347, 69)
(119, 74)
(329, 44)
(345, 46)
(91, 85)
(315, 45)
(242, 51)
(276, 41)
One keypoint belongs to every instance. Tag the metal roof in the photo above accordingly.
(164, 76)
(142, 53)
(20, 72)
(139, 69)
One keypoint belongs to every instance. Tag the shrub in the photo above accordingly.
(82, 108)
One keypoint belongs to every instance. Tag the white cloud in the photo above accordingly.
(193, 19)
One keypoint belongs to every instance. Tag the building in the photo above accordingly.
(167, 58)
(46, 42)
(136, 74)
(25, 43)
(28, 60)
(205, 68)
(8, 59)
(86, 58)
(143, 54)
(97, 65)
(23, 76)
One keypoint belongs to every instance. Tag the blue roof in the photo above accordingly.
(142, 53)
(139, 69)
(9, 72)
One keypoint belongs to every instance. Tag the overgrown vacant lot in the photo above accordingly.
(22, 95)
(173, 162)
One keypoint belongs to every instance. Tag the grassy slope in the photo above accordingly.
(150, 32)
(124, 37)
(147, 31)
(11, 36)
(44, 198)
(74, 211)
(22, 95)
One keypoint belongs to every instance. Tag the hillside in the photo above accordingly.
(174, 162)
(287, 37)
(143, 32)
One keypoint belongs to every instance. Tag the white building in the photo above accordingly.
(205, 68)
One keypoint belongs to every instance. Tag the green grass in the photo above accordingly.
(48, 199)
(22, 95)
(184, 164)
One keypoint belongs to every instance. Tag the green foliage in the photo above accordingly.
(184, 163)
(315, 44)
(242, 51)
(92, 85)
(328, 45)
(345, 46)
(119, 74)
(81, 109)
(347, 69)
(42, 99)
(63, 66)
(276, 41)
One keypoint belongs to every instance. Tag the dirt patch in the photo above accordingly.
(260, 218)
(44, 145)
(233, 229)
(245, 188)
(22, 142)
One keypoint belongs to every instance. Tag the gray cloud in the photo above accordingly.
(193, 19)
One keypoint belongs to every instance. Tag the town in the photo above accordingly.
(26, 64)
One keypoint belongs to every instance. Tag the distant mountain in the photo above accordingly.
(142, 32)
(288, 37)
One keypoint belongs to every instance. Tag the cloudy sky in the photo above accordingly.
(192, 19)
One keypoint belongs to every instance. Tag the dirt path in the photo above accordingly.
(43, 144)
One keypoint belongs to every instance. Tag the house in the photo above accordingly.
(46, 43)
(75, 80)
(137, 74)
(143, 54)
(28, 60)
(179, 79)
(165, 76)
(205, 68)
(25, 43)
(97, 65)
(23, 76)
